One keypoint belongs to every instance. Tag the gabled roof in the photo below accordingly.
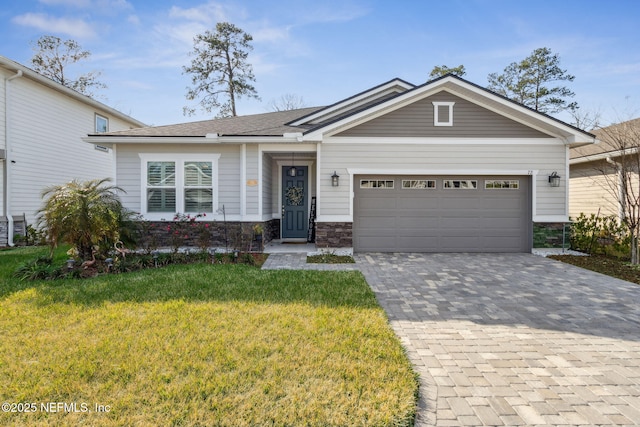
(45, 81)
(612, 141)
(469, 91)
(312, 124)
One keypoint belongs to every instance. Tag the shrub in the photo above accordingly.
(604, 235)
(84, 215)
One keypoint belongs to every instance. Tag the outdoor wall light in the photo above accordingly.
(554, 180)
(292, 170)
(335, 179)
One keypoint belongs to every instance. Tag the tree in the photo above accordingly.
(82, 214)
(529, 82)
(286, 102)
(621, 172)
(442, 70)
(53, 57)
(220, 73)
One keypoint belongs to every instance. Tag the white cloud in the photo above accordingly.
(133, 19)
(208, 13)
(76, 28)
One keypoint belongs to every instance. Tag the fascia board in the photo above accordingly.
(103, 140)
(335, 108)
(575, 137)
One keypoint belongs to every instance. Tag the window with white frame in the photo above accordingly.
(179, 183)
(443, 113)
(499, 184)
(102, 124)
(418, 184)
(460, 184)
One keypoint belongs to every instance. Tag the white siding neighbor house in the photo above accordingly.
(41, 126)
(446, 166)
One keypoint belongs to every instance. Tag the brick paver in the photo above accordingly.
(509, 339)
(513, 339)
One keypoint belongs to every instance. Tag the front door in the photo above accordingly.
(294, 203)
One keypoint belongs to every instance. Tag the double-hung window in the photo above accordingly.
(178, 184)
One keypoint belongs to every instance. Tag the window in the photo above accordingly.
(179, 183)
(418, 184)
(460, 184)
(376, 183)
(497, 184)
(443, 113)
(198, 194)
(161, 187)
(102, 124)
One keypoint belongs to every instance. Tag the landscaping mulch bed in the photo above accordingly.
(613, 267)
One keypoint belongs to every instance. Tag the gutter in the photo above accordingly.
(8, 157)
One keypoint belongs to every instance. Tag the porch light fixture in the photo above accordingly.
(292, 170)
(554, 180)
(335, 179)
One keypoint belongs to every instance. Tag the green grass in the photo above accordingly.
(205, 345)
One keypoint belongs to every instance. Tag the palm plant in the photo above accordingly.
(82, 214)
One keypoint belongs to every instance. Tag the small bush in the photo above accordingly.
(604, 235)
(41, 268)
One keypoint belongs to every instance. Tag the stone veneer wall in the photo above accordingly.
(234, 235)
(334, 234)
(550, 234)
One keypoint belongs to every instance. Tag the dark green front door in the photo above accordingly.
(294, 203)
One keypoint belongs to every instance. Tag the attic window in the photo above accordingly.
(443, 113)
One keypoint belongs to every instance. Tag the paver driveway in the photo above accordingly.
(513, 339)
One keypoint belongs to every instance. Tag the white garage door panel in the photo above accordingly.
(442, 220)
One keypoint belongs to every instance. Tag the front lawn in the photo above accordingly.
(187, 345)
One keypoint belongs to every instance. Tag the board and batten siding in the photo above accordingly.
(130, 172)
(46, 146)
(469, 120)
(433, 158)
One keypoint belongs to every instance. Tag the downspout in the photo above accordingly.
(8, 157)
(621, 195)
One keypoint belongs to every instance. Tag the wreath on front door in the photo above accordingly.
(295, 196)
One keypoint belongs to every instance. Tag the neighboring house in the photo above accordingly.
(595, 184)
(41, 126)
(446, 166)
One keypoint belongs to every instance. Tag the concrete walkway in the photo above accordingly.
(512, 339)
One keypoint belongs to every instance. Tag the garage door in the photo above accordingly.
(442, 214)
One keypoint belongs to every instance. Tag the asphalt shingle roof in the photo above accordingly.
(266, 124)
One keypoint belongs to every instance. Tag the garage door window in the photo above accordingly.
(376, 183)
(460, 184)
(509, 184)
(418, 184)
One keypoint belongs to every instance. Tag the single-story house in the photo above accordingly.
(41, 126)
(596, 187)
(446, 166)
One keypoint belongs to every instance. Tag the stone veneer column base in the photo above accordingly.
(334, 235)
(551, 234)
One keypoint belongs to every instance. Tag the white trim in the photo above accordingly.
(442, 141)
(179, 159)
(318, 178)
(449, 84)
(334, 218)
(309, 164)
(603, 156)
(551, 218)
(243, 180)
(465, 172)
(436, 113)
(260, 179)
(353, 101)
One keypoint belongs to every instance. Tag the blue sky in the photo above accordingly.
(324, 51)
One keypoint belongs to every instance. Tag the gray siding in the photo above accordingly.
(129, 172)
(469, 120)
(267, 185)
(252, 175)
(429, 159)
